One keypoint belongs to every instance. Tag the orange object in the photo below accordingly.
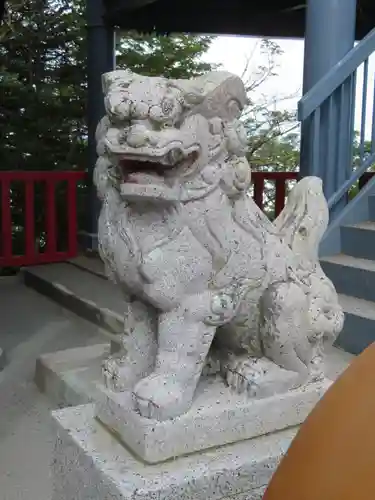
(333, 455)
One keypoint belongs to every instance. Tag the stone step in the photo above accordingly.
(81, 287)
(82, 291)
(70, 377)
(93, 265)
(351, 275)
(359, 327)
(354, 279)
(358, 240)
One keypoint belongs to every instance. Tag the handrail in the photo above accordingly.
(336, 76)
(357, 174)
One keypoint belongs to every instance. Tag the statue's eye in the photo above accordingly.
(167, 106)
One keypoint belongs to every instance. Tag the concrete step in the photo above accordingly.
(89, 295)
(70, 377)
(359, 327)
(93, 265)
(351, 275)
(84, 292)
(358, 240)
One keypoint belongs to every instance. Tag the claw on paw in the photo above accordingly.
(244, 375)
(116, 374)
(259, 377)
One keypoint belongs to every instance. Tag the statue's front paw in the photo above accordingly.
(117, 374)
(160, 397)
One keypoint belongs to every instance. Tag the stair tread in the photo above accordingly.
(92, 264)
(83, 284)
(367, 225)
(358, 307)
(347, 260)
(106, 295)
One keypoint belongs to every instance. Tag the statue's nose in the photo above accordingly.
(137, 136)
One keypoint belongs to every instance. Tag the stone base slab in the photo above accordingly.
(69, 377)
(90, 463)
(64, 376)
(218, 417)
(73, 377)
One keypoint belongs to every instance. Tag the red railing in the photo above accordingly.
(33, 251)
(280, 180)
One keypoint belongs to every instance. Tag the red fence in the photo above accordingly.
(26, 183)
(33, 252)
(280, 180)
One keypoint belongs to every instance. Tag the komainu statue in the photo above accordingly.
(212, 287)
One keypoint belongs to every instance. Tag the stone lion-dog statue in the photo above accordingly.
(211, 285)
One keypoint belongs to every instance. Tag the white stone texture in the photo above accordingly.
(89, 463)
(194, 255)
(217, 417)
(72, 377)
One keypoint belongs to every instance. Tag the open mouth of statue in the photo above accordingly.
(155, 178)
(139, 172)
(156, 170)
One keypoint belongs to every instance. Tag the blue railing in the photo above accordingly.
(331, 104)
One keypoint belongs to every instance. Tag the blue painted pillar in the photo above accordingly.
(100, 59)
(329, 35)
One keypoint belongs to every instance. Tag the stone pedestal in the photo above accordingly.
(218, 417)
(226, 446)
(90, 463)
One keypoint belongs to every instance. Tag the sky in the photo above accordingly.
(233, 51)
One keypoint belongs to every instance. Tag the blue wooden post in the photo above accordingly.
(329, 35)
(100, 59)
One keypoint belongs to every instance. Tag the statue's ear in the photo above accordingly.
(120, 78)
(226, 101)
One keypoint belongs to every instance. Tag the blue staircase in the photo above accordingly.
(348, 248)
(353, 273)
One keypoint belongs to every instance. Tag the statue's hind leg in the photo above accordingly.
(184, 340)
(287, 352)
(285, 327)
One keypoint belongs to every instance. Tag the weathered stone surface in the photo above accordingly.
(225, 312)
(2, 359)
(89, 463)
(197, 259)
(217, 417)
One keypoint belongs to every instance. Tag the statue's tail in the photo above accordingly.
(302, 224)
(304, 220)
